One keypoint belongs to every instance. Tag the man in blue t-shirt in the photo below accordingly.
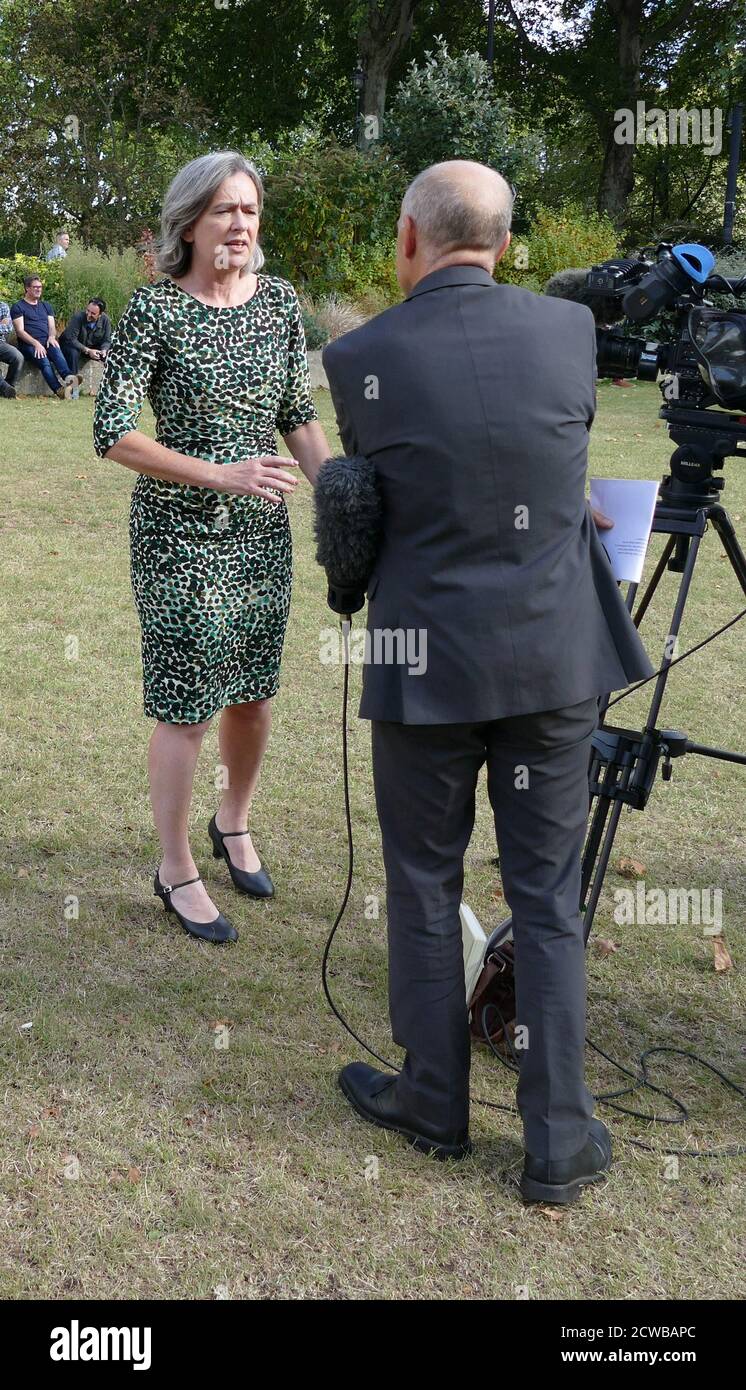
(33, 320)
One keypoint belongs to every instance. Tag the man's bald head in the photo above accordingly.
(459, 205)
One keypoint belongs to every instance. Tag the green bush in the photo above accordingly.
(13, 269)
(82, 275)
(329, 217)
(557, 239)
(316, 335)
(367, 271)
(91, 274)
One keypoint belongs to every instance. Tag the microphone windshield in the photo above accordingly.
(347, 527)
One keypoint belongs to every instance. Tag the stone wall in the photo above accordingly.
(31, 383)
(318, 375)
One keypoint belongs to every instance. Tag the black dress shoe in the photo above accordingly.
(561, 1180)
(219, 930)
(7, 392)
(373, 1095)
(258, 885)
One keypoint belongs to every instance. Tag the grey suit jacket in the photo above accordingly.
(474, 401)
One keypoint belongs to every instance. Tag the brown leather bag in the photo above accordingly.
(492, 1005)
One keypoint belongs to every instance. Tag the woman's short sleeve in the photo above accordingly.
(130, 367)
(297, 405)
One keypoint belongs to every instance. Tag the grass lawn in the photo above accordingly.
(138, 1158)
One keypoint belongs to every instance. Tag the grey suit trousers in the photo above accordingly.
(425, 778)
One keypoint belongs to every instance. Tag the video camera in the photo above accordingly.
(704, 364)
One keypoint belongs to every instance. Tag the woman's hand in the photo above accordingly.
(254, 477)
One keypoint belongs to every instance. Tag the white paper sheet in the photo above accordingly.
(630, 505)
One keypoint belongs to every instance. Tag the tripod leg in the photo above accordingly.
(601, 867)
(654, 580)
(605, 822)
(600, 841)
(725, 529)
(673, 632)
(596, 829)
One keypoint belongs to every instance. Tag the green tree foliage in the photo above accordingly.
(448, 107)
(100, 104)
(572, 76)
(97, 117)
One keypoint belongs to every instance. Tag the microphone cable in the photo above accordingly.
(640, 1080)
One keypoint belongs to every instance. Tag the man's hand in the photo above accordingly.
(52, 342)
(603, 523)
(39, 349)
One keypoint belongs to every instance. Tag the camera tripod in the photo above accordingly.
(624, 762)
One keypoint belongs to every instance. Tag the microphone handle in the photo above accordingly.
(345, 598)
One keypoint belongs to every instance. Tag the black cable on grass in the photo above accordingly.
(698, 647)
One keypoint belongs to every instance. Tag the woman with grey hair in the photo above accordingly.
(220, 352)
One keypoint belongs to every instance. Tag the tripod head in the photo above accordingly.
(705, 439)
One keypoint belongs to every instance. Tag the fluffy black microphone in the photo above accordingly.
(571, 284)
(347, 528)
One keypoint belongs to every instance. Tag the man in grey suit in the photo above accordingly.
(474, 401)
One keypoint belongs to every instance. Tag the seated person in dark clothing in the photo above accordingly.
(8, 354)
(88, 334)
(33, 320)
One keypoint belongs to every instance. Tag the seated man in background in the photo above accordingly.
(60, 247)
(8, 354)
(33, 320)
(88, 334)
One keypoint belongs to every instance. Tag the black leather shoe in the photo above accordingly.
(561, 1180)
(373, 1095)
(258, 885)
(219, 930)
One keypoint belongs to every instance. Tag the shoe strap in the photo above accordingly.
(171, 887)
(230, 834)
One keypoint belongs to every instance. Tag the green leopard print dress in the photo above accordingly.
(211, 572)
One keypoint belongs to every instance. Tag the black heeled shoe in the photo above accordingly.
(258, 885)
(219, 930)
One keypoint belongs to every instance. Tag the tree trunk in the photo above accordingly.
(617, 180)
(384, 33)
(618, 171)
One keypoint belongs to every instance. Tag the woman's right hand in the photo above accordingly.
(254, 477)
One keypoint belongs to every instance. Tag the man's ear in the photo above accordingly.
(410, 237)
(503, 248)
